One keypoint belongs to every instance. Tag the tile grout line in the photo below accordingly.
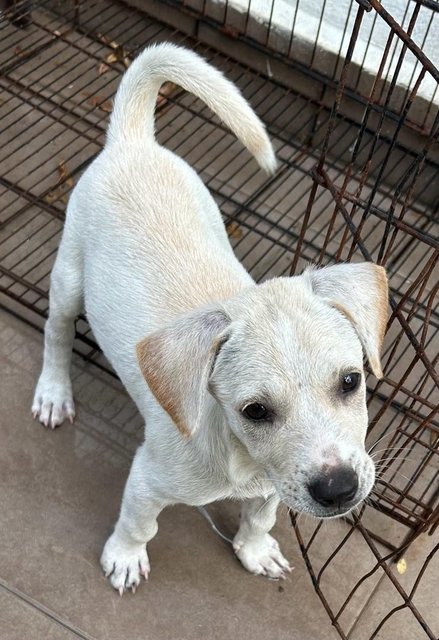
(45, 611)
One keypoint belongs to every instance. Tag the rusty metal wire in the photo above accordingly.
(358, 179)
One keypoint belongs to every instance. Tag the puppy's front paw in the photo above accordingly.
(53, 402)
(262, 556)
(124, 564)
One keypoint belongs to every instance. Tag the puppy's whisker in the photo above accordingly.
(375, 453)
(396, 473)
(394, 458)
(386, 461)
(372, 447)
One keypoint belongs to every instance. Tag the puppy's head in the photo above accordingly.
(284, 360)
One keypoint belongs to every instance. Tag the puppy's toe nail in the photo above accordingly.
(121, 591)
(133, 588)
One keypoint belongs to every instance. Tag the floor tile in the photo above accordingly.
(20, 620)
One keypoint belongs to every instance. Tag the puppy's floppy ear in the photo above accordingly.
(360, 292)
(177, 361)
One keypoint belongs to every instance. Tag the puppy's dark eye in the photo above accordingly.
(350, 382)
(256, 411)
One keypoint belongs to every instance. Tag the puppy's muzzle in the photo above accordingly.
(335, 488)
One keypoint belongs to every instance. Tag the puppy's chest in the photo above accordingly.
(223, 486)
(254, 488)
(242, 479)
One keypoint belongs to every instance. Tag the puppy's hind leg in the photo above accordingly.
(258, 551)
(124, 558)
(53, 400)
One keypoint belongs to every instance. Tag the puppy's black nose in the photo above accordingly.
(335, 488)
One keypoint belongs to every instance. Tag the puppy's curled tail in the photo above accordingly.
(133, 114)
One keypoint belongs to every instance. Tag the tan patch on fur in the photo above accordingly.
(382, 313)
(375, 365)
(383, 297)
(343, 311)
(148, 358)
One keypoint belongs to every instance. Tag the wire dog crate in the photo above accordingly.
(351, 101)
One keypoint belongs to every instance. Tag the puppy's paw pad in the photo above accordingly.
(53, 403)
(124, 565)
(262, 557)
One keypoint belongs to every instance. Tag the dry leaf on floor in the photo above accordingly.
(102, 38)
(118, 54)
(100, 103)
(51, 197)
(64, 175)
(106, 106)
(112, 57)
(55, 195)
(103, 68)
(401, 566)
(234, 230)
(65, 181)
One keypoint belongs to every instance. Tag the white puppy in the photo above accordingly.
(254, 392)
